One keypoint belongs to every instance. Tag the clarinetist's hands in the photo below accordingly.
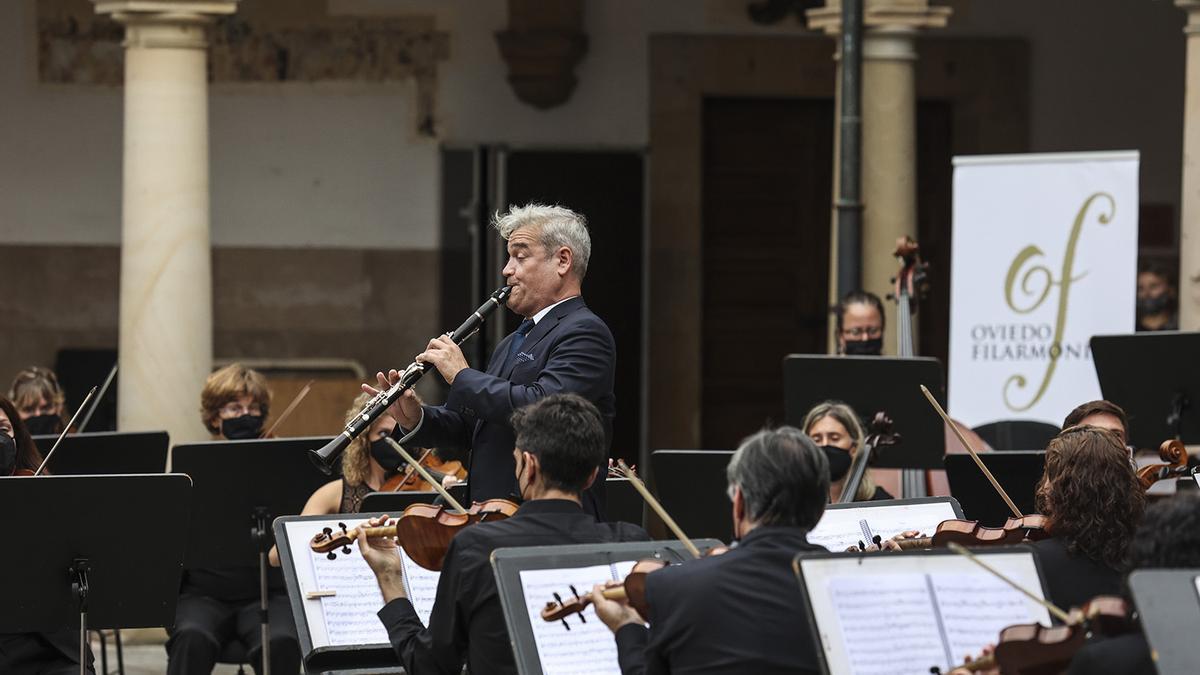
(407, 410)
(445, 356)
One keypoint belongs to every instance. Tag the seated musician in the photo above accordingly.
(218, 606)
(859, 321)
(1100, 413)
(835, 428)
(39, 399)
(55, 653)
(741, 611)
(234, 402)
(1092, 501)
(1167, 538)
(559, 446)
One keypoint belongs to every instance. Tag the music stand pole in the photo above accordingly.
(79, 588)
(260, 534)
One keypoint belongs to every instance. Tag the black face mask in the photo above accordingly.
(1153, 305)
(839, 462)
(8, 454)
(386, 455)
(242, 428)
(869, 347)
(43, 425)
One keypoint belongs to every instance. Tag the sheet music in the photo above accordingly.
(887, 622)
(350, 615)
(588, 647)
(975, 608)
(421, 586)
(839, 529)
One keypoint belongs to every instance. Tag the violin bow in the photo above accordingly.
(420, 460)
(437, 485)
(974, 455)
(623, 469)
(64, 431)
(288, 410)
(99, 397)
(1054, 609)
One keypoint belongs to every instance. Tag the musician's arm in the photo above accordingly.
(442, 647)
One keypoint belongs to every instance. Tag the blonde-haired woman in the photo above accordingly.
(362, 473)
(39, 400)
(836, 428)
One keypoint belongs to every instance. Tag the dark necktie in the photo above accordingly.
(518, 338)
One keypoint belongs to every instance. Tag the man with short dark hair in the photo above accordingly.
(741, 611)
(559, 445)
(1100, 413)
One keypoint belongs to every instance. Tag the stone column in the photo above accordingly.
(165, 349)
(1189, 215)
(889, 157)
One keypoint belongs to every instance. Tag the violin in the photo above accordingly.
(1175, 455)
(1033, 649)
(970, 533)
(404, 481)
(633, 589)
(881, 436)
(424, 531)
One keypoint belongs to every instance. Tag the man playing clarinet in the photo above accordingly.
(561, 346)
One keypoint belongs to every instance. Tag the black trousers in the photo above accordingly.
(42, 653)
(203, 625)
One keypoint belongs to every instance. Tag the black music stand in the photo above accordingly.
(1155, 377)
(870, 384)
(394, 503)
(508, 563)
(102, 552)
(1018, 471)
(691, 486)
(107, 452)
(236, 481)
(1168, 605)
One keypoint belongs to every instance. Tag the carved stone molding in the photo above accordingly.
(542, 45)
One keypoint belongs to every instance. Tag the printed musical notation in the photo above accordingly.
(349, 614)
(587, 648)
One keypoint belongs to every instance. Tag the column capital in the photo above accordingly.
(883, 16)
(1192, 7)
(170, 24)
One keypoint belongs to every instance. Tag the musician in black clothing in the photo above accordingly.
(559, 445)
(1168, 537)
(220, 606)
(1093, 501)
(741, 611)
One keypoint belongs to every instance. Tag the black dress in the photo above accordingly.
(1073, 579)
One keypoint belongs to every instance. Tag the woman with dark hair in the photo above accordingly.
(1093, 502)
(54, 653)
(18, 454)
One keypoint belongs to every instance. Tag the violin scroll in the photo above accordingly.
(1174, 454)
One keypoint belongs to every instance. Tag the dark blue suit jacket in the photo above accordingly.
(569, 350)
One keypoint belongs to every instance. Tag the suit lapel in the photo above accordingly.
(542, 329)
(548, 323)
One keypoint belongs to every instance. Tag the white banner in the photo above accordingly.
(1044, 256)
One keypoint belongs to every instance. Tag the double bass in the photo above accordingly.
(910, 286)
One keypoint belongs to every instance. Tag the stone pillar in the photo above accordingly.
(889, 105)
(1189, 216)
(165, 348)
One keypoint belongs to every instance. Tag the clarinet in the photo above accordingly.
(326, 456)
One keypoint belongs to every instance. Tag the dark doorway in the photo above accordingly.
(766, 214)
